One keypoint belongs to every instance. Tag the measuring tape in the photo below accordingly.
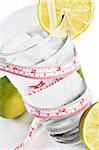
(54, 74)
(61, 112)
(43, 73)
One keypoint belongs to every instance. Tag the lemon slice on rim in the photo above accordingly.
(89, 127)
(78, 15)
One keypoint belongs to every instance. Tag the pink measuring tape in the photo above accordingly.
(43, 74)
(60, 112)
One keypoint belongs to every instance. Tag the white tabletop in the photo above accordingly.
(12, 132)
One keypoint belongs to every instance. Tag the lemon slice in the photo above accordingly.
(89, 127)
(77, 15)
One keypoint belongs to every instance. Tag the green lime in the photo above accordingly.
(11, 104)
(80, 73)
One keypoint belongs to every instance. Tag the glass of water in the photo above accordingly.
(26, 51)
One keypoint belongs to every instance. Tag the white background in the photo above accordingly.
(87, 46)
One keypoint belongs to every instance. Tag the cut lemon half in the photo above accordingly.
(75, 15)
(89, 127)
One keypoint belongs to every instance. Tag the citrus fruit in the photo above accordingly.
(89, 127)
(77, 15)
(11, 104)
(80, 73)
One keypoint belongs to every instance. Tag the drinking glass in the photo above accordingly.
(26, 48)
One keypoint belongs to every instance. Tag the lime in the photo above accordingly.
(11, 104)
(89, 127)
(81, 73)
(78, 15)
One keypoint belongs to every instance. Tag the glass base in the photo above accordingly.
(66, 130)
(69, 137)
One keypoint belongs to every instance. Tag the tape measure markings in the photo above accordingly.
(31, 90)
(62, 111)
(40, 72)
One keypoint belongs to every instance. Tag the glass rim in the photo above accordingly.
(3, 52)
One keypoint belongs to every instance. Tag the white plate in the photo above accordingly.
(13, 132)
